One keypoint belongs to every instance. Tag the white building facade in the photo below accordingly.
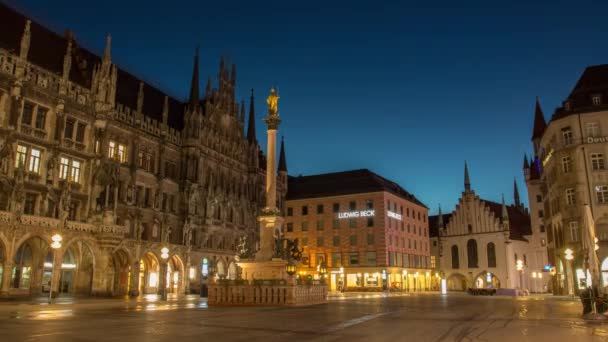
(481, 243)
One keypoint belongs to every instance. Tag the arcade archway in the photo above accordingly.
(457, 282)
(486, 280)
(148, 274)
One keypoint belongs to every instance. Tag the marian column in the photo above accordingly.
(270, 220)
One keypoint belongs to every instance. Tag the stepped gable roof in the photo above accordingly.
(593, 81)
(47, 50)
(519, 220)
(434, 224)
(344, 183)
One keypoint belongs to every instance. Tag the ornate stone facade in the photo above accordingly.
(120, 170)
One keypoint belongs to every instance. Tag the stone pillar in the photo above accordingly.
(162, 278)
(134, 281)
(271, 179)
(268, 224)
(56, 273)
(100, 285)
(7, 272)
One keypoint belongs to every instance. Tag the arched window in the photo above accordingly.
(455, 258)
(472, 253)
(491, 255)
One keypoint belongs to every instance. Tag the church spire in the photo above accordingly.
(107, 55)
(251, 128)
(526, 163)
(467, 180)
(194, 91)
(516, 194)
(505, 214)
(539, 122)
(282, 160)
(440, 218)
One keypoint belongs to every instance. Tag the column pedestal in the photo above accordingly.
(134, 281)
(7, 272)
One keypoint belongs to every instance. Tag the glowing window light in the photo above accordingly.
(192, 273)
(153, 279)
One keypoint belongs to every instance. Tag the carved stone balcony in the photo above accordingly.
(53, 223)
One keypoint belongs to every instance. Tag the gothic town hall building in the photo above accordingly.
(119, 170)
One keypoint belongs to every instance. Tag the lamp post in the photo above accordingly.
(520, 268)
(55, 246)
(290, 268)
(569, 255)
(323, 271)
(164, 254)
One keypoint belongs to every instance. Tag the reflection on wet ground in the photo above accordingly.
(352, 317)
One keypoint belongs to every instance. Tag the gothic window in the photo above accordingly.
(455, 257)
(491, 255)
(155, 230)
(28, 112)
(21, 156)
(80, 128)
(69, 168)
(41, 117)
(68, 131)
(472, 253)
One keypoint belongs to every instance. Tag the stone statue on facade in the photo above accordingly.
(65, 200)
(242, 247)
(187, 234)
(295, 253)
(6, 155)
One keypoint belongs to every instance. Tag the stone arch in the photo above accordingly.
(456, 282)
(232, 270)
(485, 280)
(176, 274)
(220, 268)
(121, 262)
(78, 264)
(149, 266)
(32, 264)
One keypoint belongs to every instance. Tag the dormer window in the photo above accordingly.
(567, 105)
(596, 100)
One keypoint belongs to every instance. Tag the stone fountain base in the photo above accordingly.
(266, 283)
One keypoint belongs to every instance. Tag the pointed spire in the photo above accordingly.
(526, 164)
(166, 110)
(67, 60)
(242, 116)
(194, 91)
(251, 128)
(467, 180)
(539, 122)
(140, 97)
(505, 215)
(516, 194)
(208, 89)
(25, 40)
(282, 161)
(440, 218)
(107, 56)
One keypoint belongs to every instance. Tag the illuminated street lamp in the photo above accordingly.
(323, 270)
(55, 245)
(520, 268)
(290, 268)
(164, 254)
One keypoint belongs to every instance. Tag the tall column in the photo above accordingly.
(134, 281)
(270, 219)
(272, 122)
(7, 272)
(271, 180)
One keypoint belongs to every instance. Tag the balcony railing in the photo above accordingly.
(53, 223)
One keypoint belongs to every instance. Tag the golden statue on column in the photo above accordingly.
(273, 103)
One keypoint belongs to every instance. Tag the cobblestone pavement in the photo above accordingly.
(427, 317)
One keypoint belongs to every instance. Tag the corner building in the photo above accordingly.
(120, 170)
(568, 171)
(370, 232)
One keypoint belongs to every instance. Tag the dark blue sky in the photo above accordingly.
(407, 90)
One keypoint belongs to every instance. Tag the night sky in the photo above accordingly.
(408, 91)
